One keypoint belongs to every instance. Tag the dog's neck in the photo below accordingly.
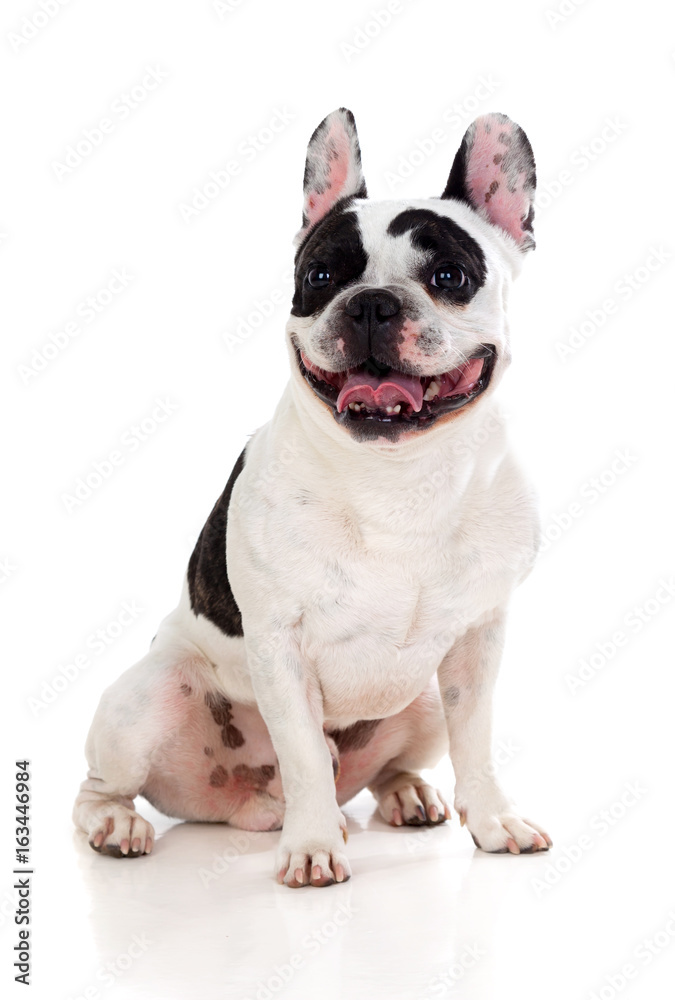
(435, 471)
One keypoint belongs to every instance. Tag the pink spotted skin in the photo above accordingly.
(409, 351)
(319, 203)
(200, 775)
(496, 181)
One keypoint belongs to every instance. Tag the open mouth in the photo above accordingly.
(375, 392)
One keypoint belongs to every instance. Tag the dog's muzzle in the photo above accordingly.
(375, 392)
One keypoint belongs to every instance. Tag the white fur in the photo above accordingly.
(363, 571)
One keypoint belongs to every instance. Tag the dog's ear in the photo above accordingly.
(494, 173)
(332, 168)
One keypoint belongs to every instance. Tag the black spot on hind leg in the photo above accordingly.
(218, 777)
(232, 737)
(258, 778)
(221, 710)
(355, 737)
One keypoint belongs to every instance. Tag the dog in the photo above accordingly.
(342, 618)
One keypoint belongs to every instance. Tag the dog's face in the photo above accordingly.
(398, 324)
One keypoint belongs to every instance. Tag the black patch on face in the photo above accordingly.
(355, 737)
(443, 242)
(336, 243)
(208, 583)
(221, 710)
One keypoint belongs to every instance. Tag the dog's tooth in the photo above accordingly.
(352, 406)
(390, 409)
(432, 390)
(397, 408)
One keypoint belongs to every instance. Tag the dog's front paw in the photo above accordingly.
(504, 831)
(118, 831)
(313, 859)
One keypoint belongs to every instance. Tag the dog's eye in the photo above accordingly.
(319, 276)
(449, 276)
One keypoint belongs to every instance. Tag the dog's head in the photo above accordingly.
(398, 324)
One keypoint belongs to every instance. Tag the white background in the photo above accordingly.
(418, 900)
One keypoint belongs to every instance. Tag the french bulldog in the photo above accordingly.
(342, 617)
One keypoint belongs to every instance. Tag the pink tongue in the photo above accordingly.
(461, 379)
(381, 392)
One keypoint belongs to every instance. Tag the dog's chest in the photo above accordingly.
(380, 610)
(375, 591)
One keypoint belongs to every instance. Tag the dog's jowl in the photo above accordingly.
(342, 616)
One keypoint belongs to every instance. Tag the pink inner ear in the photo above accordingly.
(337, 143)
(492, 171)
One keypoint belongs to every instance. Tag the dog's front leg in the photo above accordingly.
(311, 850)
(466, 679)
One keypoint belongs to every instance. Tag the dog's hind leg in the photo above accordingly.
(403, 796)
(136, 718)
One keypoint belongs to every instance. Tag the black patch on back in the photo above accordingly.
(444, 242)
(355, 737)
(208, 583)
(336, 242)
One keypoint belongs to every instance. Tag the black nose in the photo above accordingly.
(372, 306)
(369, 327)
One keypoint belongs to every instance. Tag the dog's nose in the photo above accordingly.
(370, 313)
(372, 306)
